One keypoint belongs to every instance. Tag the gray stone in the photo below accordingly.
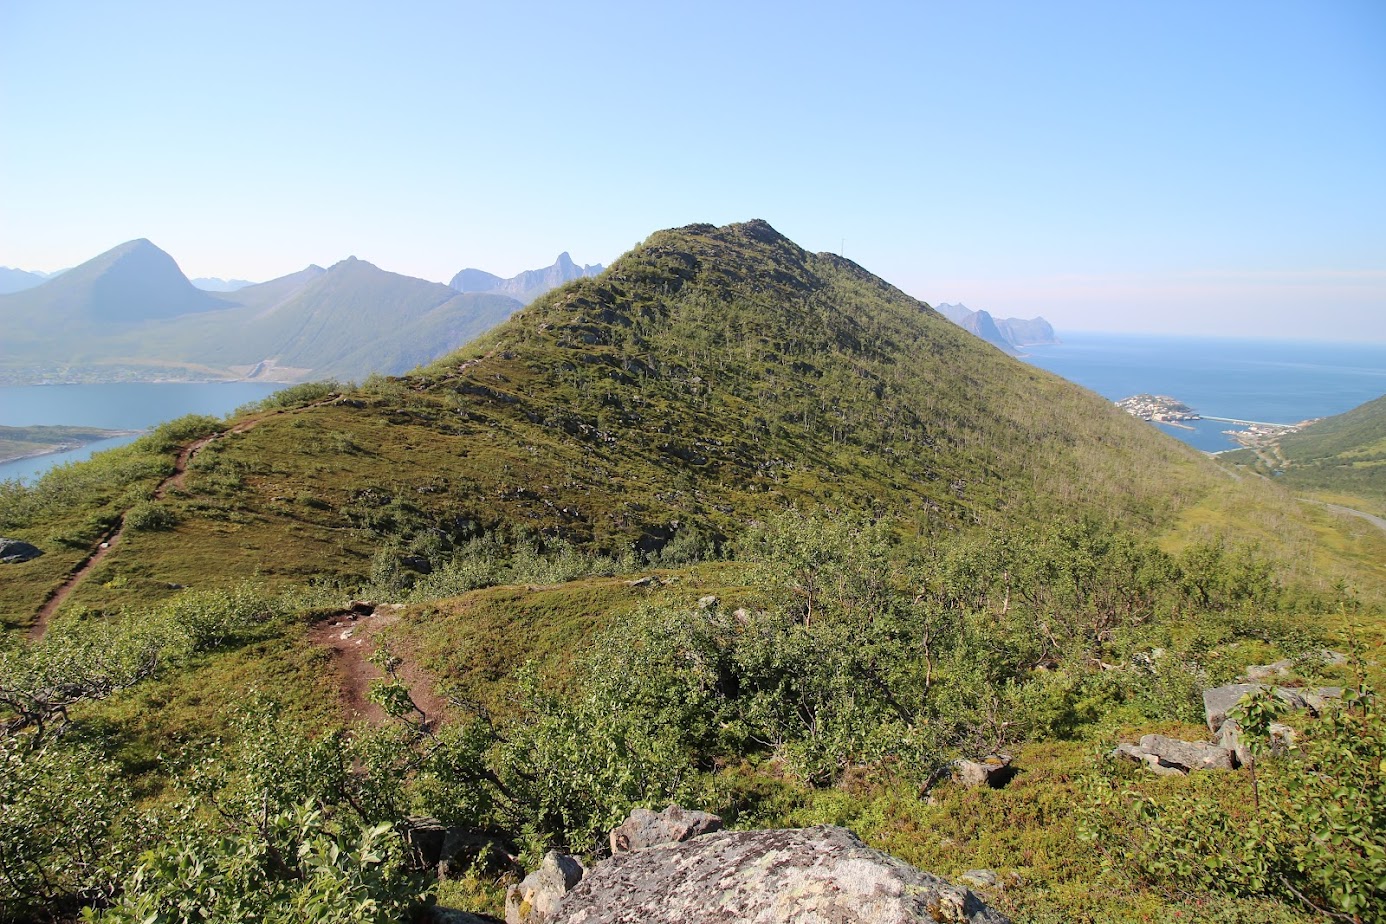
(994, 770)
(1218, 701)
(15, 551)
(454, 916)
(1229, 735)
(1282, 738)
(1187, 755)
(1269, 671)
(1134, 752)
(708, 603)
(979, 878)
(648, 580)
(1318, 699)
(644, 828)
(822, 874)
(537, 897)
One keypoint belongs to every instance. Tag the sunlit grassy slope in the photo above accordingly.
(709, 377)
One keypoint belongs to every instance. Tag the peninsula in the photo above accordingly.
(24, 442)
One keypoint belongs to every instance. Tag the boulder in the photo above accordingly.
(645, 828)
(709, 602)
(979, 878)
(536, 898)
(424, 837)
(1152, 761)
(1229, 735)
(1318, 699)
(1219, 701)
(823, 874)
(14, 551)
(1188, 755)
(994, 770)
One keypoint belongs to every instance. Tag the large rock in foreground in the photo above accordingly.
(822, 874)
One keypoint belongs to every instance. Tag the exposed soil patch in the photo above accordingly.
(352, 638)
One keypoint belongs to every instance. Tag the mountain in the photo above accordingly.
(17, 280)
(347, 321)
(936, 552)
(130, 283)
(709, 377)
(1008, 334)
(1020, 332)
(526, 286)
(214, 284)
(980, 324)
(130, 314)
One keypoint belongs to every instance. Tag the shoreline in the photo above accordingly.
(68, 447)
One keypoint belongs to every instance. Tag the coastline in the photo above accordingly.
(68, 446)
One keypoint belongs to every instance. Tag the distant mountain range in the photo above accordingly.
(1007, 334)
(214, 284)
(526, 286)
(17, 280)
(130, 314)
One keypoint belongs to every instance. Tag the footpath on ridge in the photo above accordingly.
(108, 542)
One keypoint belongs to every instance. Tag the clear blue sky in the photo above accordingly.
(1173, 166)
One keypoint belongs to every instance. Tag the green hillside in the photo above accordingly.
(734, 525)
(1342, 456)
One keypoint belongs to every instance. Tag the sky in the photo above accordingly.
(1176, 167)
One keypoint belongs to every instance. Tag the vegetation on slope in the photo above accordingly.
(1342, 457)
(920, 549)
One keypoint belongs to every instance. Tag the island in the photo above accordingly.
(1159, 408)
(24, 442)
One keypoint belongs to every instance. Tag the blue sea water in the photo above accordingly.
(124, 406)
(1275, 381)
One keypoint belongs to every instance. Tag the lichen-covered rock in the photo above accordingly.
(536, 898)
(645, 828)
(799, 875)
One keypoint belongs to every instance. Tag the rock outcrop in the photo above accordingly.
(823, 874)
(13, 551)
(1171, 756)
(674, 825)
(537, 898)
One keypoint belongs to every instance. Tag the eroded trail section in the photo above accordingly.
(176, 479)
(351, 637)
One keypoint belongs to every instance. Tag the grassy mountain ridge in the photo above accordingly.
(1046, 577)
(709, 378)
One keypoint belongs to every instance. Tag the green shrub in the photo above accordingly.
(148, 517)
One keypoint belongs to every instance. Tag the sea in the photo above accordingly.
(123, 406)
(1268, 381)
